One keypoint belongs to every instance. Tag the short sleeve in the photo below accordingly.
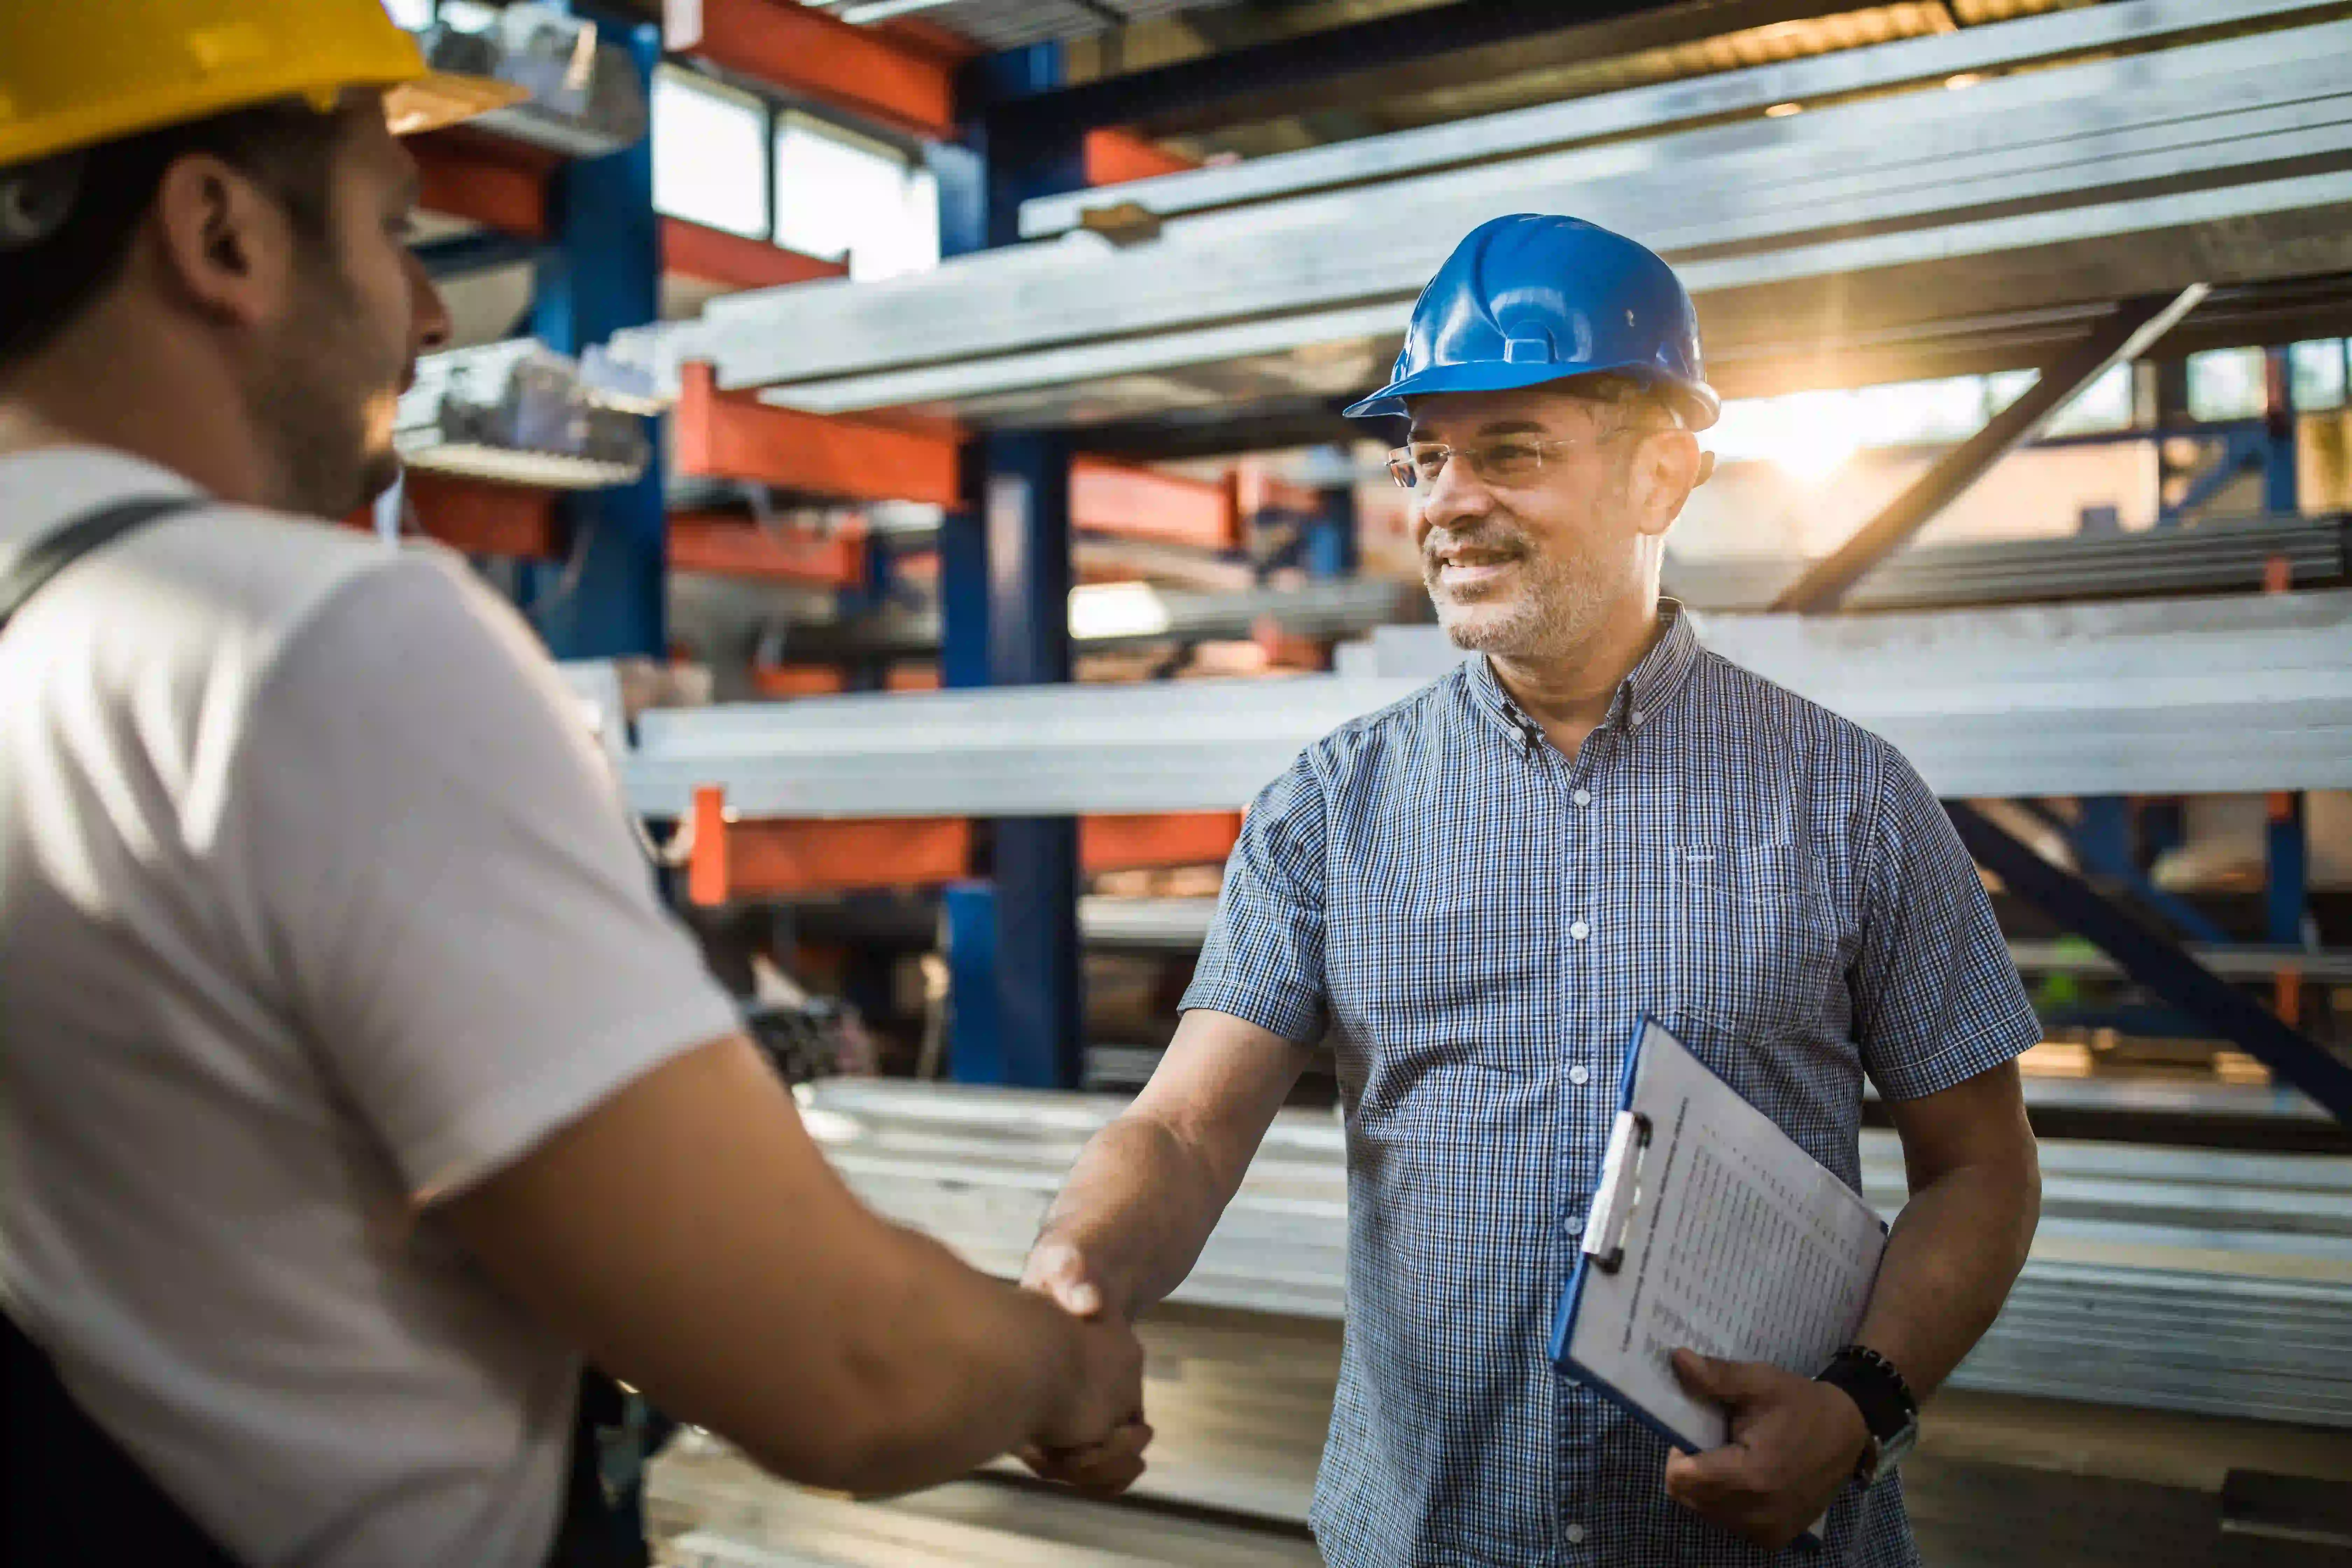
(1936, 999)
(466, 932)
(1263, 958)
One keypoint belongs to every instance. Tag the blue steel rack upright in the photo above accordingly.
(1004, 595)
(602, 274)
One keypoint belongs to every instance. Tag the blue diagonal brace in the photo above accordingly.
(2159, 967)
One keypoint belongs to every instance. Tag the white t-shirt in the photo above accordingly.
(316, 900)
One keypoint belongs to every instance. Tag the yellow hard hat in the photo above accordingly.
(75, 73)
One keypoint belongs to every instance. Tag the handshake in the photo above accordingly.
(1096, 1437)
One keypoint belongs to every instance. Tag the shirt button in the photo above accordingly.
(1575, 1533)
(1573, 1225)
(1635, 718)
(1579, 931)
(1585, 797)
(1579, 1075)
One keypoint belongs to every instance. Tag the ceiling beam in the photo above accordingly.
(1417, 51)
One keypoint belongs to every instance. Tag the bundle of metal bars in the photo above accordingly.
(2206, 558)
(2190, 1280)
(1891, 228)
(2180, 696)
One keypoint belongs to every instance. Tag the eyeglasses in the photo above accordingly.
(1512, 461)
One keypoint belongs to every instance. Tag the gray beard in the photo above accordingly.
(1562, 606)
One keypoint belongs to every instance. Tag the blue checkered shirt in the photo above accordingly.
(1478, 923)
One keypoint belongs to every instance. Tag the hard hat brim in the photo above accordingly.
(439, 99)
(1701, 406)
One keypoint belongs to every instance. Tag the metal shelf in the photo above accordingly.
(1181, 925)
(1926, 62)
(2213, 1282)
(1125, 615)
(2153, 697)
(1881, 234)
(2205, 558)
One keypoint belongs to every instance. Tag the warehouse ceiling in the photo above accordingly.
(1008, 24)
(1658, 42)
(1628, 46)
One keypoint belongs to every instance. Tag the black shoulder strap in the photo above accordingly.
(53, 553)
(70, 1496)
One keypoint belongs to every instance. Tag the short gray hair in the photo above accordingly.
(1637, 402)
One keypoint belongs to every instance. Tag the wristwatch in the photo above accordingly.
(1888, 1410)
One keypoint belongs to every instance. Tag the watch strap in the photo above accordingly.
(1877, 1389)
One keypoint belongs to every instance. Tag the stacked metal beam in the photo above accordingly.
(1888, 225)
(1011, 24)
(2217, 1283)
(2208, 558)
(2181, 695)
(1128, 615)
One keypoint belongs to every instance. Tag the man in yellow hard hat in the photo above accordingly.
(354, 1086)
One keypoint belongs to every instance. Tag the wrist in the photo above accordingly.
(1059, 1345)
(1889, 1413)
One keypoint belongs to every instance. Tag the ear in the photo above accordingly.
(225, 247)
(1666, 470)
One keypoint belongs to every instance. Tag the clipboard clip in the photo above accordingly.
(1611, 1217)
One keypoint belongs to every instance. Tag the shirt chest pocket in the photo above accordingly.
(1757, 953)
(1454, 972)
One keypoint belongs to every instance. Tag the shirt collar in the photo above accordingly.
(1640, 696)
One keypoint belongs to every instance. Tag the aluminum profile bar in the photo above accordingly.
(2138, 25)
(2162, 1279)
(1814, 303)
(2131, 333)
(2209, 557)
(1123, 615)
(2206, 115)
(2188, 696)
(1181, 925)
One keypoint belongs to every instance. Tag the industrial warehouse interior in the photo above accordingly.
(953, 457)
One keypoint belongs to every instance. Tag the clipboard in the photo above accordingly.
(1709, 1226)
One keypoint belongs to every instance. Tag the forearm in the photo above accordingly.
(1139, 1205)
(945, 1370)
(1955, 1252)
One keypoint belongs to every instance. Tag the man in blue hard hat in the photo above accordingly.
(1475, 894)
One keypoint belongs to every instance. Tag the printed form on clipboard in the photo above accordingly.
(1711, 1229)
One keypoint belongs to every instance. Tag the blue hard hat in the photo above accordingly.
(1531, 299)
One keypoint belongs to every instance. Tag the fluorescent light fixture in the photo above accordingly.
(1783, 111)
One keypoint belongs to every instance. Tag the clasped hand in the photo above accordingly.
(1108, 1462)
(1794, 1443)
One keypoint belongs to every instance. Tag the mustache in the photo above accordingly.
(1488, 537)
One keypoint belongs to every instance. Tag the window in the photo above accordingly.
(2317, 370)
(1811, 434)
(2003, 388)
(413, 15)
(1906, 412)
(2227, 384)
(839, 195)
(2105, 405)
(710, 153)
